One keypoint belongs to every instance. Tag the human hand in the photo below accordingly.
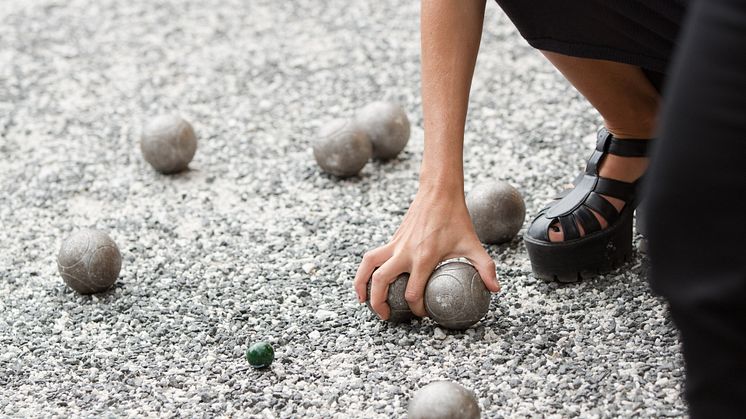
(435, 228)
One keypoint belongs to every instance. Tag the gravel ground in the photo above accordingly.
(255, 243)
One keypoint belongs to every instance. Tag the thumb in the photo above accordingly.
(486, 268)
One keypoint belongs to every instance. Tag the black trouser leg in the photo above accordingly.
(697, 206)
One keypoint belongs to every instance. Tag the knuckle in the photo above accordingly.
(412, 296)
(368, 256)
(377, 276)
(377, 306)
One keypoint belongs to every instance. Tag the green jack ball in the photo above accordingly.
(260, 355)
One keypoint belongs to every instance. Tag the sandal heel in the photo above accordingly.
(597, 253)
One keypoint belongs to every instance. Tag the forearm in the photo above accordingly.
(450, 35)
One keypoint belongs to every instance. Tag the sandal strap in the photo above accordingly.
(586, 219)
(629, 147)
(574, 198)
(624, 147)
(573, 208)
(563, 194)
(599, 204)
(615, 188)
(569, 227)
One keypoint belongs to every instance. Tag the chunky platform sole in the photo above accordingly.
(585, 257)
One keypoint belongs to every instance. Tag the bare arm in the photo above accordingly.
(451, 31)
(437, 225)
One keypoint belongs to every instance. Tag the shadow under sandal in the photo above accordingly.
(593, 250)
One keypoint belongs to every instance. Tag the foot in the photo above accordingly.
(627, 169)
(588, 230)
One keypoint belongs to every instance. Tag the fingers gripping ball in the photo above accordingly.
(400, 311)
(89, 261)
(342, 148)
(455, 296)
(387, 125)
(260, 355)
(497, 211)
(443, 400)
(168, 143)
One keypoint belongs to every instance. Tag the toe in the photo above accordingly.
(555, 233)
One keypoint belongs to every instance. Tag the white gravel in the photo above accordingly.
(255, 243)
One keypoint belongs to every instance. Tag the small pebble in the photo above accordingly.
(326, 315)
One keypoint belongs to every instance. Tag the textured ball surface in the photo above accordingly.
(497, 211)
(260, 355)
(400, 311)
(443, 400)
(387, 125)
(89, 261)
(342, 148)
(168, 143)
(455, 296)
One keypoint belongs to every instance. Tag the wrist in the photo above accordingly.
(442, 183)
(442, 173)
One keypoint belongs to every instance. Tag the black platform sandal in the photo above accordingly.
(599, 250)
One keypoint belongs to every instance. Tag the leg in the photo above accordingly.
(621, 93)
(628, 103)
(697, 204)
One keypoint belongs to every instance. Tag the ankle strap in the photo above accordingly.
(627, 147)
